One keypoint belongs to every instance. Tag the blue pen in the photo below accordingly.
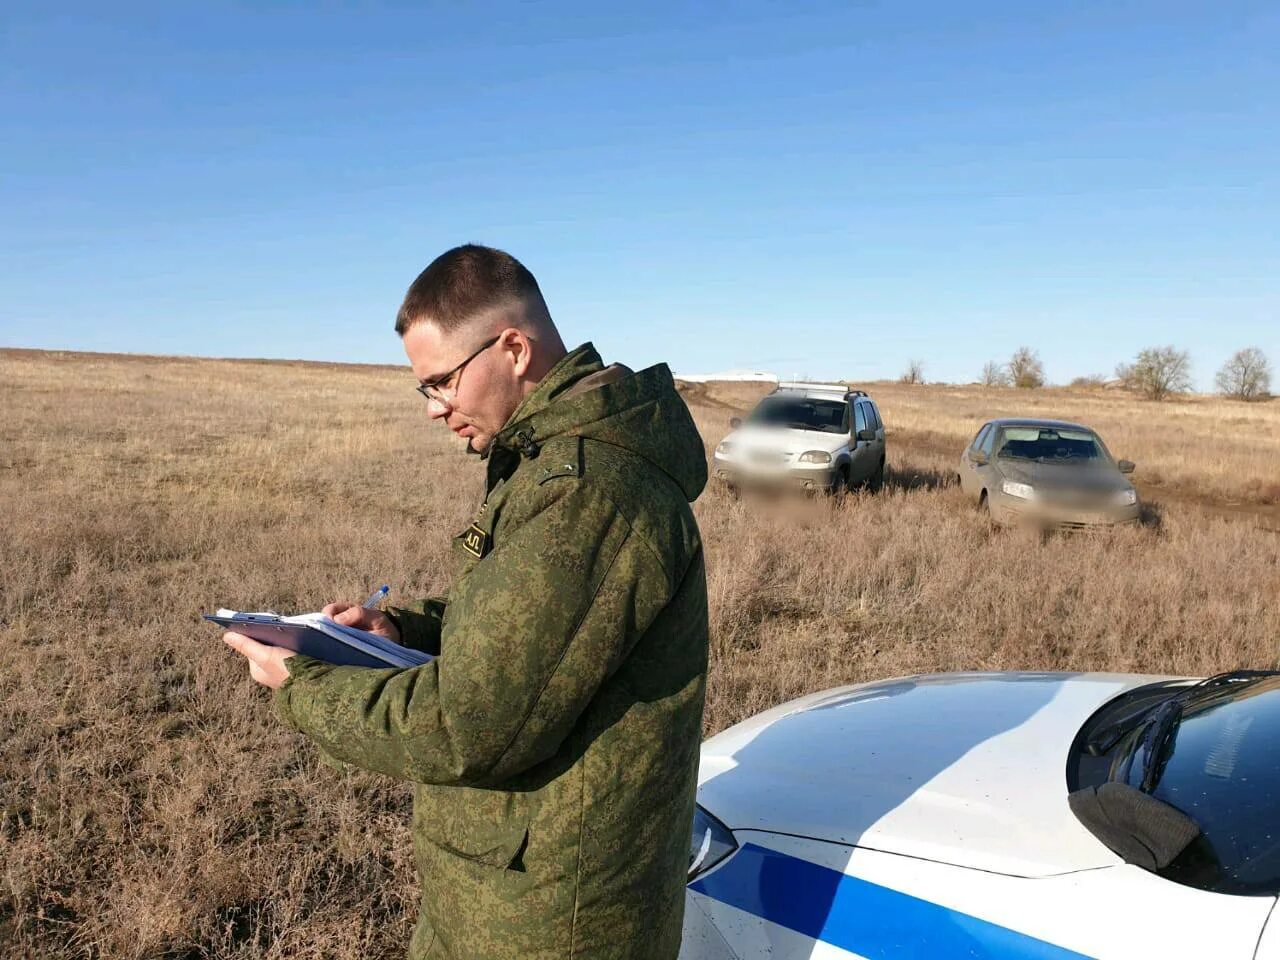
(376, 597)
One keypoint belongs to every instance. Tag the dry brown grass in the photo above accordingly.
(150, 804)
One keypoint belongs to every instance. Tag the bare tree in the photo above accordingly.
(1025, 368)
(1090, 381)
(1246, 376)
(914, 372)
(994, 375)
(1157, 372)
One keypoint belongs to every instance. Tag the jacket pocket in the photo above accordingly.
(484, 826)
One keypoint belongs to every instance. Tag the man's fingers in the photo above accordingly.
(247, 646)
(347, 614)
(266, 663)
(351, 616)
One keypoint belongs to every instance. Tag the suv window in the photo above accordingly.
(801, 413)
(859, 417)
(873, 416)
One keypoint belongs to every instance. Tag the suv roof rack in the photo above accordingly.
(801, 386)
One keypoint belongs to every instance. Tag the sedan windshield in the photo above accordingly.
(1222, 770)
(798, 413)
(1050, 445)
(1207, 751)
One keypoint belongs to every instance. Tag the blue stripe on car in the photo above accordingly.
(860, 916)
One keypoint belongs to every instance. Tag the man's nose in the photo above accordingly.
(437, 408)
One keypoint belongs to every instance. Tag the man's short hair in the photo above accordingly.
(464, 282)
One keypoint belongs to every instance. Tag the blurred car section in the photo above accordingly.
(808, 436)
(1050, 473)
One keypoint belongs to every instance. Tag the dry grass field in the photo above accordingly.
(151, 805)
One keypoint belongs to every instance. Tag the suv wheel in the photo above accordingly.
(875, 482)
(840, 483)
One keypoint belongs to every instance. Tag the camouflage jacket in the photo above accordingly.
(554, 741)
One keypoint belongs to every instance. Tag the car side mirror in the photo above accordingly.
(866, 434)
(1126, 466)
(978, 457)
(735, 423)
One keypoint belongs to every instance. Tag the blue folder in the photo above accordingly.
(320, 637)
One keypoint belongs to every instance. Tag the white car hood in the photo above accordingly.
(966, 769)
(782, 440)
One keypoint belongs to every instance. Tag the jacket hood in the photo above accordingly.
(640, 412)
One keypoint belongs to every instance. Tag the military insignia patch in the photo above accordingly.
(475, 541)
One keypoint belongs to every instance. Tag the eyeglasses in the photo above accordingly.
(435, 389)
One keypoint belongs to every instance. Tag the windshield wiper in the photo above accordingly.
(1161, 730)
(1157, 739)
(1104, 739)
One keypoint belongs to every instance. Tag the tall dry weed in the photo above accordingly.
(151, 805)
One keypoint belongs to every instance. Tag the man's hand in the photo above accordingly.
(266, 663)
(363, 618)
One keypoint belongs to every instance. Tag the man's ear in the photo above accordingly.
(519, 349)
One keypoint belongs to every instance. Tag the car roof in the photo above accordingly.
(1035, 422)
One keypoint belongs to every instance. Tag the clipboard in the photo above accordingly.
(315, 635)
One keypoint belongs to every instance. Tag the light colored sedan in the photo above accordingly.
(1047, 472)
(1003, 815)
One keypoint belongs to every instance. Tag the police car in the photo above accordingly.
(1000, 815)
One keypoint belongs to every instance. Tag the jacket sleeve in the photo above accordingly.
(534, 630)
(419, 624)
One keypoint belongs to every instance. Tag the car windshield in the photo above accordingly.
(1050, 445)
(800, 413)
(1220, 768)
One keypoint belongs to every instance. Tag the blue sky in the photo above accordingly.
(809, 188)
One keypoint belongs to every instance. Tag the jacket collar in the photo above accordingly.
(580, 397)
(530, 426)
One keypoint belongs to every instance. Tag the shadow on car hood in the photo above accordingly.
(1062, 476)
(786, 440)
(966, 769)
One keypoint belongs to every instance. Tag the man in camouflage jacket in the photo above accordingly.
(554, 741)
